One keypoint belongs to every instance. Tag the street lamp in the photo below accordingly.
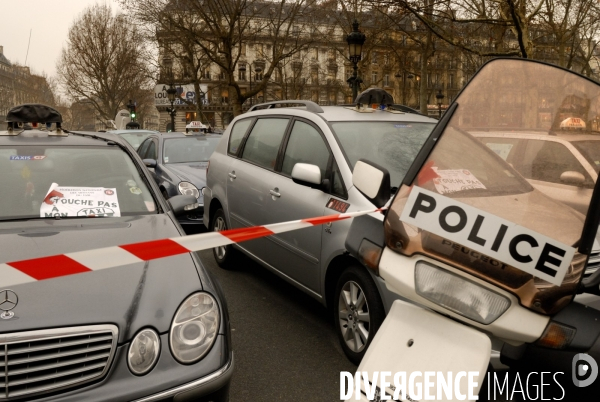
(171, 92)
(355, 40)
(439, 96)
(257, 70)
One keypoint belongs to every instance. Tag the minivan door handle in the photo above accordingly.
(275, 192)
(232, 175)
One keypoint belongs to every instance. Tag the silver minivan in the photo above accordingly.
(279, 164)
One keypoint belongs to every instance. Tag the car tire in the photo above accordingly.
(358, 311)
(224, 255)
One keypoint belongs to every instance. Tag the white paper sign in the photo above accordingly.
(451, 181)
(502, 149)
(64, 201)
(514, 245)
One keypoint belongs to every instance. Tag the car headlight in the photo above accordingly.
(195, 328)
(187, 188)
(143, 351)
(458, 294)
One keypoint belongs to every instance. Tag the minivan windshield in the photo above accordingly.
(391, 144)
(66, 182)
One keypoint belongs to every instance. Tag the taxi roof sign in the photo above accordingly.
(33, 113)
(573, 123)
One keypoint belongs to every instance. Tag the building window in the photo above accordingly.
(374, 77)
(243, 49)
(242, 72)
(374, 58)
(206, 74)
(386, 80)
(296, 30)
(314, 53)
(314, 75)
(386, 59)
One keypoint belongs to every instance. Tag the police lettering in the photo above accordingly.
(453, 219)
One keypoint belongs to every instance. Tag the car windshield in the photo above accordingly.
(391, 144)
(135, 139)
(189, 149)
(591, 151)
(67, 182)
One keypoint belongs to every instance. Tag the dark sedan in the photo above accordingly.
(148, 329)
(179, 162)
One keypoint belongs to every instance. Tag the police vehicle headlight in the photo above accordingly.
(143, 351)
(187, 188)
(195, 328)
(458, 294)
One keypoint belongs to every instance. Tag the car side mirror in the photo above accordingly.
(573, 178)
(182, 204)
(151, 163)
(306, 174)
(373, 181)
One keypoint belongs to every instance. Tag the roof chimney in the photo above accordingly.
(1, 49)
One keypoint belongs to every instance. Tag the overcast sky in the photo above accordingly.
(49, 22)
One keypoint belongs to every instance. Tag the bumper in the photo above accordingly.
(206, 380)
(214, 386)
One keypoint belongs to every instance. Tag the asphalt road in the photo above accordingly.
(284, 343)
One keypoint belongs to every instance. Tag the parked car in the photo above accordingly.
(179, 162)
(134, 137)
(150, 330)
(285, 163)
(562, 164)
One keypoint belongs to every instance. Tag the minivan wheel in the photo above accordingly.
(358, 311)
(223, 254)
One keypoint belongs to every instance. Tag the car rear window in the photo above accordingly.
(30, 173)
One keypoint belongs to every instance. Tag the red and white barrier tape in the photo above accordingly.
(37, 269)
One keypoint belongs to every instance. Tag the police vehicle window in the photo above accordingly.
(189, 149)
(264, 141)
(305, 146)
(237, 134)
(591, 151)
(143, 148)
(548, 160)
(50, 181)
(393, 145)
(151, 153)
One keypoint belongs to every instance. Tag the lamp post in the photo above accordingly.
(439, 96)
(257, 70)
(355, 40)
(171, 92)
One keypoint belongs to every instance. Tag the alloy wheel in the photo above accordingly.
(354, 317)
(217, 227)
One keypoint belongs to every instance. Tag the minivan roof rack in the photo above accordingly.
(310, 105)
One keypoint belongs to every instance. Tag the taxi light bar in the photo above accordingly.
(557, 336)
(458, 294)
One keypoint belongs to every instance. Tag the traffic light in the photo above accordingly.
(133, 113)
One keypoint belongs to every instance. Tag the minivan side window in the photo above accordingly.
(305, 145)
(237, 134)
(262, 145)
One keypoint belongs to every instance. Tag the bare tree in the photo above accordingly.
(103, 61)
(222, 29)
